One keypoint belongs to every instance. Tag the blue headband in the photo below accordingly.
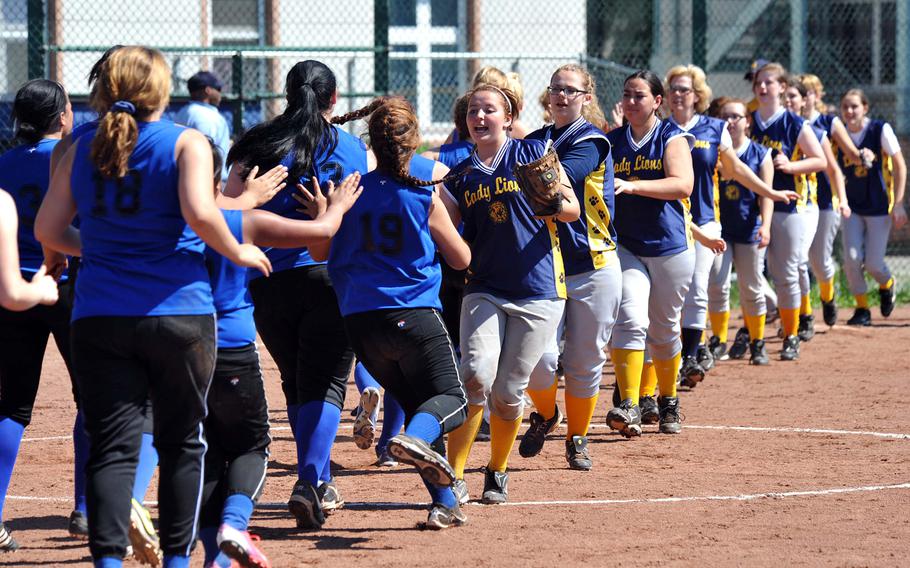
(123, 106)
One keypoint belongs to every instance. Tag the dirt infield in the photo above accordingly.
(804, 463)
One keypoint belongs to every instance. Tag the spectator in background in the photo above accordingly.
(202, 112)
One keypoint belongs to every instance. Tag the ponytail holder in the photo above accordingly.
(123, 106)
(306, 85)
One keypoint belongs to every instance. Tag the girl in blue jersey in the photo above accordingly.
(876, 195)
(296, 309)
(43, 115)
(516, 283)
(593, 275)
(652, 168)
(143, 320)
(796, 153)
(689, 97)
(384, 265)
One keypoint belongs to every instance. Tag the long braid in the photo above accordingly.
(359, 113)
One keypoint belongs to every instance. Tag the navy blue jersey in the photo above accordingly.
(455, 153)
(740, 215)
(870, 192)
(514, 255)
(824, 197)
(584, 153)
(233, 303)
(139, 256)
(25, 175)
(781, 134)
(647, 226)
(383, 255)
(708, 132)
(349, 155)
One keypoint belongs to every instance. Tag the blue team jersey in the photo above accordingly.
(513, 254)
(584, 153)
(824, 197)
(704, 199)
(139, 256)
(25, 174)
(233, 303)
(870, 192)
(83, 128)
(781, 134)
(349, 155)
(740, 215)
(455, 153)
(647, 226)
(383, 256)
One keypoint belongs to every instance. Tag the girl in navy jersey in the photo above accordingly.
(876, 195)
(652, 168)
(593, 275)
(296, 309)
(796, 153)
(516, 283)
(42, 114)
(143, 321)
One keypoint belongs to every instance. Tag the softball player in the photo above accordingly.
(593, 275)
(296, 309)
(652, 165)
(690, 96)
(876, 196)
(796, 153)
(516, 284)
(367, 417)
(142, 188)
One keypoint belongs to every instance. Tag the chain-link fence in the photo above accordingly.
(428, 50)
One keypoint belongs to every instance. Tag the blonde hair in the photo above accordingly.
(513, 83)
(544, 100)
(699, 84)
(510, 101)
(138, 79)
(813, 83)
(772, 67)
(489, 75)
(591, 111)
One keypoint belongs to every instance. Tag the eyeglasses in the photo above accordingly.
(679, 90)
(568, 92)
(733, 117)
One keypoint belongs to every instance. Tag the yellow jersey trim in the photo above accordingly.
(559, 269)
(597, 217)
(888, 177)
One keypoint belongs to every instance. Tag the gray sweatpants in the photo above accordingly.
(653, 291)
(591, 309)
(821, 253)
(749, 261)
(784, 257)
(865, 242)
(695, 309)
(501, 343)
(810, 224)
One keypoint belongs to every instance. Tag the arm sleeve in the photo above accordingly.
(583, 158)
(725, 140)
(890, 145)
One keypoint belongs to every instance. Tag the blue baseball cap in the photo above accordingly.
(203, 79)
(756, 65)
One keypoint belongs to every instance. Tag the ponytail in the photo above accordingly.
(37, 107)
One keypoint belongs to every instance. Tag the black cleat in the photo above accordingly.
(495, 487)
(670, 422)
(740, 344)
(442, 517)
(306, 506)
(536, 434)
(829, 312)
(704, 357)
(649, 413)
(433, 468)
(78, 525)
(617, 400)
(718, 350)
(626, 418)
(757, 353)
(483, 434)
(790, 351)
(862, 316)
(886, 297)
(806, 330)
(691, 373)
(577, 453)
(7, 542)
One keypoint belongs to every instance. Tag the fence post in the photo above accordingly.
(699, 34)
(799, 35)
(381, 41)
(237, 87)
(37, 37)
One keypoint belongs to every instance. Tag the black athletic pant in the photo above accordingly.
(297, 317)
(450, 295)
(410, 354)
(23, 340)
(120, 363)
(237, 432)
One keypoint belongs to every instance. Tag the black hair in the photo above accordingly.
(95, 72)
(217, 159)
(37, 107)
(655, 85)
(301, 128)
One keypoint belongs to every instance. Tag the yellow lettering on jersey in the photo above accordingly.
(769, 143)
(472, 197)
(702, 144)
(642, 163)
(623, 167)
(504, 185)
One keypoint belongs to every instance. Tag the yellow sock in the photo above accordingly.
(462, 438)
(805, 306)
(502, 438)
(887, 285)
(545, 399)
(648, 380)
(862, 301)
(826, 290)
(704, 336)
(756, 326)
(720, 325)
(789, 319)
(627, 364)
(578, 415)
(667, 372)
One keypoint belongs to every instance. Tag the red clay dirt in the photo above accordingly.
(770, 494)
